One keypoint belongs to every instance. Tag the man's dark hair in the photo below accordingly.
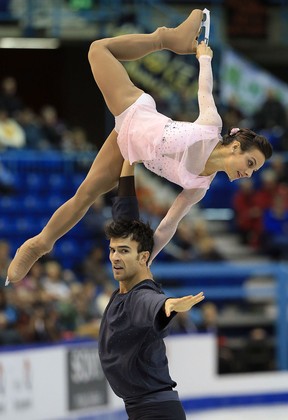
(138, 231)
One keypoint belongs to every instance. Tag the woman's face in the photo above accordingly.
(241, 164)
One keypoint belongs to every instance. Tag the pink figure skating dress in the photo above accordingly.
(175, 150)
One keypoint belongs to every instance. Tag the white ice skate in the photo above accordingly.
(205, 26)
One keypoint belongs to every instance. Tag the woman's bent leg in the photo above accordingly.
(105, 55)
(184, 38)
(102, 177)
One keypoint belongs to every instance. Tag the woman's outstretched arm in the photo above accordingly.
(168, 226)
(208, 114)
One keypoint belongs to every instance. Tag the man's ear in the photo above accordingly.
(144, 257)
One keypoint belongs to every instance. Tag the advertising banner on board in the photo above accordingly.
(87, 386)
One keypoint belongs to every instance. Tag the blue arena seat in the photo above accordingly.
(35, 182)
(69, 252)
(57, 182)
(7, 204)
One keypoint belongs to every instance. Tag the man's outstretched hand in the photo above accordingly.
(182, 304)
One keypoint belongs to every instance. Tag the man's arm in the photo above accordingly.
(125, 205)
(174, 305)
(182, 304)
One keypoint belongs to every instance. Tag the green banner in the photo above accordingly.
(246, 84)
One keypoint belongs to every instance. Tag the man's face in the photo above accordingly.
(243, 164)
(127, 263)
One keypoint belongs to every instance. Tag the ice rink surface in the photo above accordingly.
(275, 412)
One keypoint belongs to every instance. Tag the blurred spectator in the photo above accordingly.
(271, 117)
(30, 289)
(67, 140)
(154, 196)
(8, 319)
(205, 246)
(248, 215)
(4, 259)
(104, 296)
(268, 189)
(95, 219)
(149, 207)
(43, 324)
(279, 167)
(181, 107)
(38, 318)
(54, 282)
(8, 183)
(30, 124)
(93, 267)
(68, 313)
(284, 143)
(88, 316)
(209, 323)
(12, 134)
(9, 100)
(272, 113)
(258, 355)
(182, 324)
(250, 205)
(231, 116)
(193, 242)
(206, 250)
(181, 247)
(51, 128)
(79, 316)
(90, 292)
(275, 236)
(75, 140)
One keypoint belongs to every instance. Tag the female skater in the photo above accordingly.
(188, 154)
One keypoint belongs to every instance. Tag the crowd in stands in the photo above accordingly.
(50, 303)
(261, 214)
(260, 203)
(23, 128)
(53, 303)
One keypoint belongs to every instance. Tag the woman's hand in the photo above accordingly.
(203, 49)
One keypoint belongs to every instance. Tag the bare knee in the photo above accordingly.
(93, 50)
(91, 189)
(96, 47)
(86, 195)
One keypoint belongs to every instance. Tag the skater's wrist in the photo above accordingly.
(205, 56)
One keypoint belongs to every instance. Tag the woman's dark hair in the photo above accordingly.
(248, 139)
(138, 231)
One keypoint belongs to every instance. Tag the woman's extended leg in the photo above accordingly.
(102, 177)
(105, 55)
